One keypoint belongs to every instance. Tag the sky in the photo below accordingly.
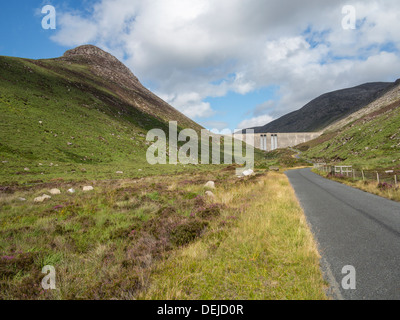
(227, 64)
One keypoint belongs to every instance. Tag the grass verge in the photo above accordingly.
(267, 252)
(380, 189)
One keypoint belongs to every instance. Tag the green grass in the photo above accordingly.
(62, 122)
(131, 239)
(370, 143)
(262, 249)
(63, 127)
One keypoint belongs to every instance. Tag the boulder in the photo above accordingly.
(42, 198)
(247, 173)
(210, 184)
(210, 194)
(55, 191)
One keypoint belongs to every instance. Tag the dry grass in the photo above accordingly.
(268, 251)
(391, 193)
(160, 238)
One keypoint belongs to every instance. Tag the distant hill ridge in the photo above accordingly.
(367, 139)
(327, 109)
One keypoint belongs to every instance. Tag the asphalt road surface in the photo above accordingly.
(352, 228)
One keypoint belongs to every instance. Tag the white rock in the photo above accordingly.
(210, 194)
(248, 172)
(55, 191)
(38, 199)
(119, 172)
(42, 198)
(26, 169)
(88, 188)
(72, 190)
(210, 184)
(22, 199)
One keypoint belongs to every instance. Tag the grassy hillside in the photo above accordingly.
(370, 142)
(61, 119)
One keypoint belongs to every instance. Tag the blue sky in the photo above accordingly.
(21, 31)
(225, 63)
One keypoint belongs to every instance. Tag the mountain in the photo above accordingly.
(327, 109)
(368, 138)
(84, 111)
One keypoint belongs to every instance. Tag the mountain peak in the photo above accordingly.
(103, 64)
(88, 50)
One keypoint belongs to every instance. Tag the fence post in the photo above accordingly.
(395, 180)
(354, 174)
(363, 176)
(377, 177)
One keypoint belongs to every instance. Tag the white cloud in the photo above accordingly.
(255, 122)
(191, 50)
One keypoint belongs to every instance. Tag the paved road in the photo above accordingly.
(353, 228)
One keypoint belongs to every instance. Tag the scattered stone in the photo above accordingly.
(119, 172)
(22, 199)
(69, 143)
(40, 164)
(55, 191)
(140, 170)
(42, 198)
(210, 184)
(72, 190)
(40, 122)
(4, 161)
(88, 188)
(247, 173)
(26, 169)
(210, 194)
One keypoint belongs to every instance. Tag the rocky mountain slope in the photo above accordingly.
(368, 138)
(327, 109)
(78, 113)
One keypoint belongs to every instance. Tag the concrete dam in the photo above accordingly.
(273, 141)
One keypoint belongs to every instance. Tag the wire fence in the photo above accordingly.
(389, 177)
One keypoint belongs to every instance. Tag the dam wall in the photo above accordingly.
(273, 141)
